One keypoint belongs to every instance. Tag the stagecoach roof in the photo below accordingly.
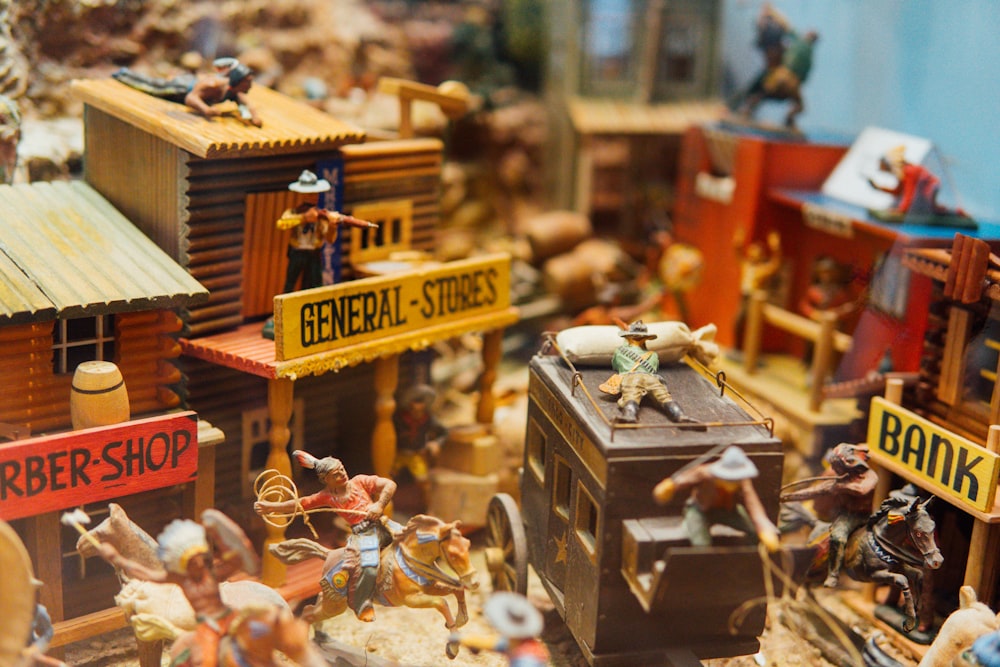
(289, 126)
(67, 252)
(655, 435)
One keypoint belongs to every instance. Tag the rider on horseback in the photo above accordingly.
(360, 500)
(842, 496)
(189, 561)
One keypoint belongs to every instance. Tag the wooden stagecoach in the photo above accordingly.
(618, 567)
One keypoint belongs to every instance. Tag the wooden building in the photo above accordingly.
(624, 80)
(948, 443)
(209, 192)
(79, 282)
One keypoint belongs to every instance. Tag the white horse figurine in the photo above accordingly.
(143, 600)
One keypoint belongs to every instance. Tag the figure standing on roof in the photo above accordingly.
(722, 492)
(361, 501)
(636, 369)
(916, 189)
(230, 82)
(842, 496)
(787, 63)
(518, 623)
(197, 564)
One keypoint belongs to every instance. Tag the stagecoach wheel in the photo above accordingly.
(506, 545)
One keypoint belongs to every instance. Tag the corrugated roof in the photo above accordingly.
(289, 126)
(65, 251)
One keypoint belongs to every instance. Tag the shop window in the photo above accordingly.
(609, 48)
(890, 287)
(585, 522)
(561, 487)
(536, 445)
(82, 339)
(394, 232)
(256, 442)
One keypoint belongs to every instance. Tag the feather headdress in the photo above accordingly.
(179, 542)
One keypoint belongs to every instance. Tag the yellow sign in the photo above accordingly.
(946, 463)
(337, 316)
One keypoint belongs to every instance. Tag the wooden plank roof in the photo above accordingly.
(65, 251)
(289, 126)
(934, 263)
(605, 116)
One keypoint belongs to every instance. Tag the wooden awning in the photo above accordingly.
(65, 251)
(604, 116)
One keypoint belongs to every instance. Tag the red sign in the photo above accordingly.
(56, 472)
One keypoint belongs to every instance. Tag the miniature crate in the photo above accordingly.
(472, 450)
(455, 495)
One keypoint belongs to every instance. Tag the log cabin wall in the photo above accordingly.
(393, 170)
(35, 396)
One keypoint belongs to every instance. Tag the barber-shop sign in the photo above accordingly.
(57, 472)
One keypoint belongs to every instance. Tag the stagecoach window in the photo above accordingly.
(561, 488)
(536, 450)
(585, 521)
(82, 339)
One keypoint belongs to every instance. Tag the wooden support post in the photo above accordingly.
(384, 434)
(280, 397)
(584, 174)
(492, 342)
(42, 540)
(822, 358)
(754, 330)
(950, 384)
(893, 394)
(984, 555)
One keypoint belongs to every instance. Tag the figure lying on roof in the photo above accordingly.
(230, 81)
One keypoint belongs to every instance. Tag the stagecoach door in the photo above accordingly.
(559, 523)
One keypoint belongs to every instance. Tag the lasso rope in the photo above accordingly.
(272, 486)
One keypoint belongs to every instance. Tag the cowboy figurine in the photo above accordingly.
(418, 434)
(518, 623)
(635, 376)
(361, 501)
(842, 496)
(722, 493)
(311, 227)
(230, 82)
(190, 561)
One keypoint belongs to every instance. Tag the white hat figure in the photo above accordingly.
(513, 616)
(734, 466)
(309, 183)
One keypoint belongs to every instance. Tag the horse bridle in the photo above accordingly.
(433, 570)
(891, 550)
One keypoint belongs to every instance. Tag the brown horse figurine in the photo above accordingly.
(428, 559)
(893, 549)
(254, 638)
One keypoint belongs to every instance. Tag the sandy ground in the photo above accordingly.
(402, 637)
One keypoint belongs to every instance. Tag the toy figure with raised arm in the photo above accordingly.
(197, 557)
(518, 623)
(842, 496)
(635, 376)
(722, 492)
(361, 501)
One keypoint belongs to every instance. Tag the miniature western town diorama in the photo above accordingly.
(486, 332)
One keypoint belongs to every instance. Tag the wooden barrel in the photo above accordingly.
(98, 396)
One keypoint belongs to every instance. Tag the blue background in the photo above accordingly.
(928, 68)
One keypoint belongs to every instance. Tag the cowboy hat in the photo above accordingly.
(513, 616)
(733, 466)
(308, 182)
(637, 330)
